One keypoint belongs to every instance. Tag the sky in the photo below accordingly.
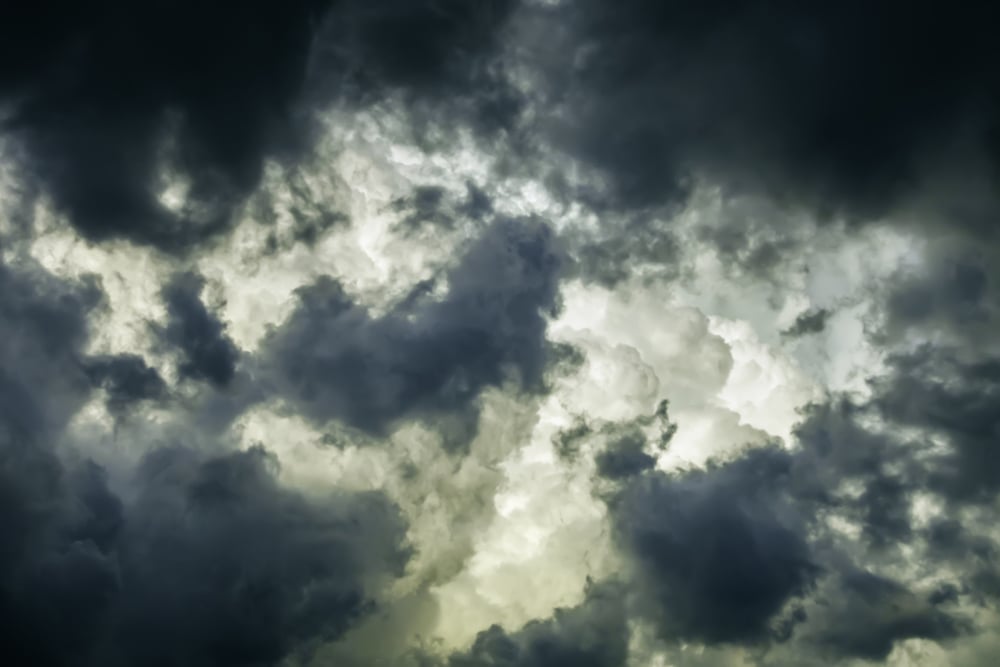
(520, 333)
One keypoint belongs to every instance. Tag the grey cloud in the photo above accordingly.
(208, 354)
(768, 98)
(126, 380)
(221, 565)
(432, 205)
(935, 390)
(593, 634)
(55, 520)
(207, 94)
(336, 361)
(718, 553)
(213, 563)
(198, 560)
(742, 552)
(614, 257)
(950, 294)
(866, 613)
(624, 448)
(624, 457)
(312, 207)
(843, 113)
(106, 85)
(810, 322)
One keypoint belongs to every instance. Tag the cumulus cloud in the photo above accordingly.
(429, 355)
(197, 560)
(519, 332)
(720, 552)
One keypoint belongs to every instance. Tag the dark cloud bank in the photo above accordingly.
(199, 560)
(428, 357)
(206, 92)
(855, 112)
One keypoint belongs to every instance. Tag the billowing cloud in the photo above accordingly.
(519, 332)
(429, 355)
(719, 552)
(206, 351)
(197, 559)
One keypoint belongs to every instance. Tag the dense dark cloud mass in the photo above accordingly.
(839, 105)
(430, 356)
(214, 563)
(590, 635)
(126, 379)
(482, 247)
(210, 561)
(719, 552)
(220, 565)
(43, 327)
(443, 51)
(624, 449)
(869, 613)
(207, 353)
(116, 85)
(941, 394)
(199, 95)
(738, 553)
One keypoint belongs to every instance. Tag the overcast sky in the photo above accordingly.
(467, 333)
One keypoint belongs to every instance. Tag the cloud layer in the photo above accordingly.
(524, 333)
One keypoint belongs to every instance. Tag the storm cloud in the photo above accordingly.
(518, 332)
(428, 356)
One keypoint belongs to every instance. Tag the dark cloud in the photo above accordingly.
(628, 450)
(207, 353)
(867, 613)
(841, 113)
(842, 107)
(719, 552)
(623, 448)
(214, 563)
(54, 521)
(620, 253)
(56, 577)
(810, 322)
(742, 551)
(430, 205)
(973, 554)
(420, 43)
(867, 477)
(625, 456)
(441, 54)
(593, 634)
(937, 391)
(126, 380)
(101, 96)
(43, 326)
(221, 565)
(312, 209)
(950, 293)
(50, 520)
(424, 206)
(197, 561)
(754, 233)
(336, 361)
(112, 102)
(568, 441)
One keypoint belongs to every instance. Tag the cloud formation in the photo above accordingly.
(518, 332)
(427, 355)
